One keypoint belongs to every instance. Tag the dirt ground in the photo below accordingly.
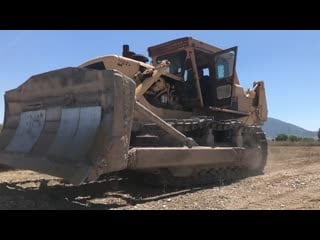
(291, 181)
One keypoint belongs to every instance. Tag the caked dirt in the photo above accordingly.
(291, 181)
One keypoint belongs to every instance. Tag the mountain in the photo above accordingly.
(273, 127)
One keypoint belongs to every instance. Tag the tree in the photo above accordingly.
(319, 135)
(308, 139)
(282, 137)
(293, 138)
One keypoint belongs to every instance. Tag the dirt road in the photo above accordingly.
(291, 181)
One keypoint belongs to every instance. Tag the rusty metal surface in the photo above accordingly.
(29, 129)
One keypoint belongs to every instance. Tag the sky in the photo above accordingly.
(287, 61)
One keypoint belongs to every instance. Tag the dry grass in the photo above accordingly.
(297, 144)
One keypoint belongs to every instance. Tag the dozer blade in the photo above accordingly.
(73, 123)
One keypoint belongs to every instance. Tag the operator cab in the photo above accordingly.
(206, 74)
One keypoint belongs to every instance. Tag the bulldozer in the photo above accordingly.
(181, 120)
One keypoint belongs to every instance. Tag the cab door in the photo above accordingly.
(224, 70)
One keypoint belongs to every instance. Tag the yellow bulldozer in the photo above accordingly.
(182, 120)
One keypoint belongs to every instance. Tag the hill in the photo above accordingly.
(273, 127)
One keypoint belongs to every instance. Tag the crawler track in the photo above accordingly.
(253, 137)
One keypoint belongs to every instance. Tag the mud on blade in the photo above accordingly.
(73, 123)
